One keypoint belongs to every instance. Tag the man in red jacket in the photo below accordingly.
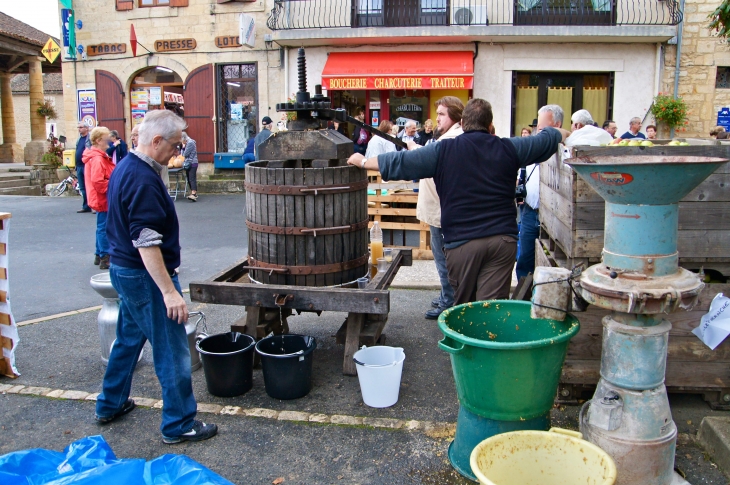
(98, 168)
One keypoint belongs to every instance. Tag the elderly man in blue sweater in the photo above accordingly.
(475, 179)
(144, 246)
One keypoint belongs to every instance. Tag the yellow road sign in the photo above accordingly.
(51, 50)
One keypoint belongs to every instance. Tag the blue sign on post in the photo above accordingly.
(68, 32)
(723, 118)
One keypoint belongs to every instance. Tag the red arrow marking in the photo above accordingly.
(625, 216)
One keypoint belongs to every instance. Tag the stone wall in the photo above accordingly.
(702, 52)
(21, 108)
(202, 20)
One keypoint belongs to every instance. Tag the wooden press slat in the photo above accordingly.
(4, 319)
(337, 221)
(3, 296)
(310, 216)
(280, 222)
(347, 252)
(329, 240)
(319, 222)
(271, 221)
(299, 221)
(291, 253)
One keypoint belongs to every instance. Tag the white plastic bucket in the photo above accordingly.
(551, 293)
(379, 370)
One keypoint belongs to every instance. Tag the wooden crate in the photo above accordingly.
(397, 211)
(572, 213)
(691, 366)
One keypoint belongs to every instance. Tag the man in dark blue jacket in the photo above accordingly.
(82, 144)
(474, 175)
(144, 245)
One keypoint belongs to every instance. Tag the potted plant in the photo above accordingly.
(720, 19)
(46, 109)
(669, 112)
(54, 157)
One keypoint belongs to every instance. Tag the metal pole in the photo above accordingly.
(677, 66)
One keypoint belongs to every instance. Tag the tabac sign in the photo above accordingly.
(374, 82)
(51, 50)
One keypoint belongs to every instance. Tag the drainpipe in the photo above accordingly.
(286, 72)
(680, 27)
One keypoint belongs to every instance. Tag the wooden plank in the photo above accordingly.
(3, 296)
(541, 258)
(700, 375)
(3, 273)
(4, 319)
(347, 238)
(713, 151)
(290, 221)
(404, 198)
(319, 242)
(299, 241)
(3, 248)
(355, 322)
(408, 226)
(3, 216)
(392, 211)
(715, 188)
(309, 213)
(279, 178)
(329, 219)
(342, 276)
(305, 297)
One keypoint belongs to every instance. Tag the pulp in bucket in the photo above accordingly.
(379, 371)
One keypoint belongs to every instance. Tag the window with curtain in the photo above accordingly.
(570, 91)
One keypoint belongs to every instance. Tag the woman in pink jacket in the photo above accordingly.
(98, 168)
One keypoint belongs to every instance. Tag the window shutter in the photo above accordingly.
(125, 4)
(178, 3)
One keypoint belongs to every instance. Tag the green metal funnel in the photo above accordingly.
(641, 179)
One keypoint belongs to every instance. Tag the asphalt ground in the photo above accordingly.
(51, 252)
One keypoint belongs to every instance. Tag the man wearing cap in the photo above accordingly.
(263, 135)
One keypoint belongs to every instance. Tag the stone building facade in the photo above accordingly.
(703, 55)
(52, 91)
(196, 67)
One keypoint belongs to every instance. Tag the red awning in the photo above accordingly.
(399, 70)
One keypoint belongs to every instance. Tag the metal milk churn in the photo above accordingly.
(109, 314)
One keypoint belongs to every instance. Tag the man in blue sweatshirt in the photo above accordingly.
(144, 246)
(474, 175)
(82, 144)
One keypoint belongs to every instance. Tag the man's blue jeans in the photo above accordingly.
(82, 186)
(142, 317)
(248, 158)
(529, 231)
(102, 242)
(446, 299)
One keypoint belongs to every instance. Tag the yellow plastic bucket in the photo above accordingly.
(555, 457)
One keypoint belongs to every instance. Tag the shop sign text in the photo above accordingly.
(175, 45)
(100, 49)
(398, 83)
(224, 41)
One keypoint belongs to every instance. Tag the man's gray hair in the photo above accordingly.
(409, 123)
(635, 119)
(160, 122)
(185, 136)
(583, 117)
(556, 111)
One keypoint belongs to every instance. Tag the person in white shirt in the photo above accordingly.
(378, 145)
(548, 115)
(428, 209)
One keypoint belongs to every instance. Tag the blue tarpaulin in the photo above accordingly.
(90, 461)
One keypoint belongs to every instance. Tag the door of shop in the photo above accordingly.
(199, 110)
(110, 101)
(237, 106)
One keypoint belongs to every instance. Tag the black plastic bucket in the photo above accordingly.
(227, 363)
(286, 361)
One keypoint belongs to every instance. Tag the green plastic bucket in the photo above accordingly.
(506, 364)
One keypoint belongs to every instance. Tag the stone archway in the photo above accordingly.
(142, 63)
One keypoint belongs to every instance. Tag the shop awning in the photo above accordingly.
(399, 70)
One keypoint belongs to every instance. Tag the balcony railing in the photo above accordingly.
(318, 14)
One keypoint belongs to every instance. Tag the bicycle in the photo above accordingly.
(71, 180)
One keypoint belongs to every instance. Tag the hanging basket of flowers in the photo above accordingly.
(46, 109)
(670, 111)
